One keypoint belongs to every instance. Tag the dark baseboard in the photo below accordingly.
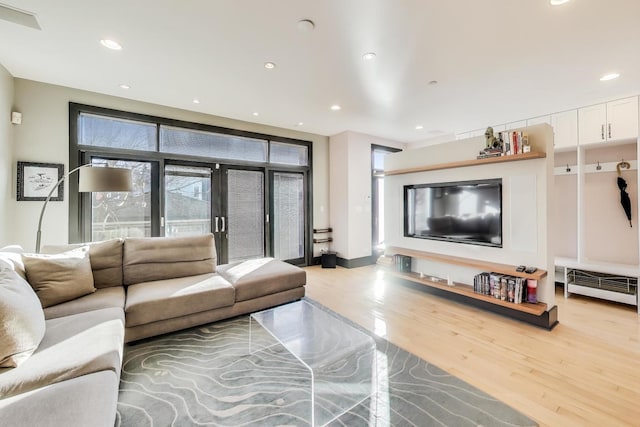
(547, 320)
(355, 262)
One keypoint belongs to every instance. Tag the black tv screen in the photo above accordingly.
(462, 212)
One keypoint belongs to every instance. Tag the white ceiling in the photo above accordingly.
(495, 61)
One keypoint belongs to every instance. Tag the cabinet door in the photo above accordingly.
(565, 129)
(622, 119)
(516, 125)
(538, 120)
(591, 124)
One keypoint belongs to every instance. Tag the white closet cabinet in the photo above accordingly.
(613, 121)
(565, 128)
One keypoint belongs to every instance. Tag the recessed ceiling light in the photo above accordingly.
(610, 76)
(255, 113)
(196, 101)
(433, 82)
(300, 124)
(111, 44)
(419, 127)
(369, 56)
(557, 2)
(336, 107)
(124, 86)
(269, 65)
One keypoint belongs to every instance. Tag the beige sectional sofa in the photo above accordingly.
(143, 287)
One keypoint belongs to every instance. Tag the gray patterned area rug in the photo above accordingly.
(206, 376)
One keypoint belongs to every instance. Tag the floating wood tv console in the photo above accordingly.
(535, 314)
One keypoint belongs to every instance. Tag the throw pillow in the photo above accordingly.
(11, 258)
(22, 323)
(61, 277)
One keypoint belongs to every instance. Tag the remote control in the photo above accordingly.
(520, 268)
(530, 270)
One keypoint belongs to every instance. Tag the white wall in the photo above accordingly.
(44, 137)
(6, 156)
(350, 195)
(431, 141)
(526, 204)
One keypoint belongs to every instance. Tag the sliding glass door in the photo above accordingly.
(187, 200)
(288, 216)
(242, 223)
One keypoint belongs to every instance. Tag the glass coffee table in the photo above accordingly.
(340, 358)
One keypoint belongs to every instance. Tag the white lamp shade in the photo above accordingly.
(104, 179)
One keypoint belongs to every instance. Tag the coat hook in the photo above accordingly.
(598, 167)
(568, 168)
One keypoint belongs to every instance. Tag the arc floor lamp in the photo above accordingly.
(91, 178)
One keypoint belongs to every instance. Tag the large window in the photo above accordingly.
(191, 179)
(187, 206)
(123, 214)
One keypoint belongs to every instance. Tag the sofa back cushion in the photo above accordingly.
(159, 258)
(105, 257)
(61, 277)
(22, 324)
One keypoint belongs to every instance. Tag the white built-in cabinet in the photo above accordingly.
(597, 252)
(591, 236)
(539, 120)
(612, 121)
(565, 128)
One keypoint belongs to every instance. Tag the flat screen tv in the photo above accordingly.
(463, 212)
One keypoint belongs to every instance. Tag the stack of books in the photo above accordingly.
(501, 286)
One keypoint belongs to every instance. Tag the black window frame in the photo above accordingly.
(81, 154)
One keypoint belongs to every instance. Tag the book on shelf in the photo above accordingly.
(515, 142)
(501, 286)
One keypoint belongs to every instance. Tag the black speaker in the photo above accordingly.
(328, 260)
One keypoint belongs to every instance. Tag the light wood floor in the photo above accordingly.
(586, 372)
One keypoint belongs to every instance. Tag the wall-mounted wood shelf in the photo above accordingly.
(536, 309)
(467, 262)
(533, 313)
(466, 163)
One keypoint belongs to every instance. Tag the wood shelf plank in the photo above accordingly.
(536, 309)
(472, 162)
(467, 262)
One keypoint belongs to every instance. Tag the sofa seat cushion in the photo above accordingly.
(105, 257)
(165, 299)
(89, 400)
(159, 258)
(72, 346)
(263, 276)
(112, 297)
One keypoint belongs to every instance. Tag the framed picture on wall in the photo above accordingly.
(35, 181)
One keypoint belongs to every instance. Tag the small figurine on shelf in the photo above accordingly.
(490, 139)
(493, 145)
